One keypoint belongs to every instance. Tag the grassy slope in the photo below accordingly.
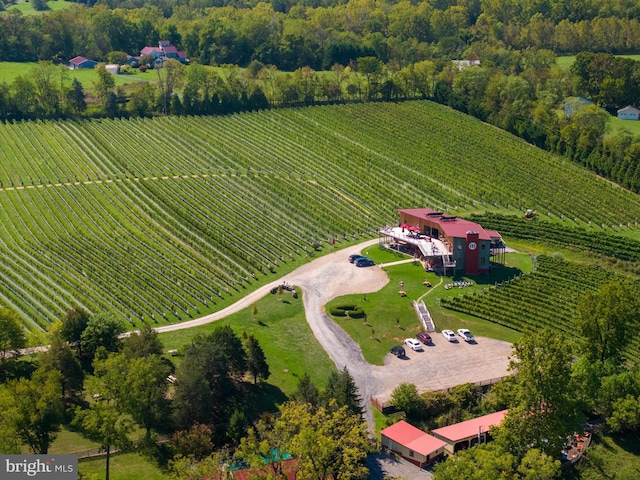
(289, 356)
(611, 457)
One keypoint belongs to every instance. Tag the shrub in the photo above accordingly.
(338, 312)
(356, 313)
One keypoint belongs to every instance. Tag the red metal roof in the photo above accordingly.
(413, 438)
(78, 60)
(493, 233)
(149, 50)
(170, 49)
(460, 431)
(451, 226)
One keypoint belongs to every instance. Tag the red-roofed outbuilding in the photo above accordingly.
(412, 443)
(460, 436)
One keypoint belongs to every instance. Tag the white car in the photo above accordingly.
(413, 344)
(449, 335)
(465, 334)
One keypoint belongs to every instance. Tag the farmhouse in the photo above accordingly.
(629, 113)
(411, 443)
(445, 242)
(81, 62)
(163, 52)
(460, 436)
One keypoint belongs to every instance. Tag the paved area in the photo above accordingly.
(382, 465)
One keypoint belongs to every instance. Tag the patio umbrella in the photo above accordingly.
(414, 229)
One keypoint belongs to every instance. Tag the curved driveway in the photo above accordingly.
(442, 365)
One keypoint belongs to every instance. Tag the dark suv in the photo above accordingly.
(354, 257)
(398, 351)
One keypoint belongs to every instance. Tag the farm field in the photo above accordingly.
(100, 214)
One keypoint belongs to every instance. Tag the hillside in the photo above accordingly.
(165, 219)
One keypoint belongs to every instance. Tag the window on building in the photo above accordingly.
(459, 247)
(482, 259)
(483, 246)
(411, 453)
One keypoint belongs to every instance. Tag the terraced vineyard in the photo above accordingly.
(165, 219)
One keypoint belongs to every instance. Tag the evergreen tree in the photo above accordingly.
(307, 391)
(342, 388)
(256, 361)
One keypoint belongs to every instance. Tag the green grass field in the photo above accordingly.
(10, 70)
(289, 356)
(26, 9)
(127, 466)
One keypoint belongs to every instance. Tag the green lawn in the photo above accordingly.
(128, 466)
(282, 330)
(566, 61)
(618, 126)
(391, 318)
(27, 9)
(10, 70)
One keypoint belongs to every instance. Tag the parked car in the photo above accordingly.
(354, 257)
(449, 335)
(424, 337)
(398, 351)
(465, 335)
(364, 262)
(413, 344)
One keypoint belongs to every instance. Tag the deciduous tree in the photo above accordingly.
(102, 330)
(104, 423)
(607, 319)
(12, 339)
(138, 386)
(546, 412)
(38, 409)
(405, 398)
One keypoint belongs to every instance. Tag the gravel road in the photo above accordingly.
(442, 365)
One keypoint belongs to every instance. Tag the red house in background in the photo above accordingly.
(163, 52)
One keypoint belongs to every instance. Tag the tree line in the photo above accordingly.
(291, 34)
(103, 384)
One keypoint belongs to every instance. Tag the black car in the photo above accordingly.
(354, 257)
(364, 262)
(398, 351)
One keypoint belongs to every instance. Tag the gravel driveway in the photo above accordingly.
(440, 366)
